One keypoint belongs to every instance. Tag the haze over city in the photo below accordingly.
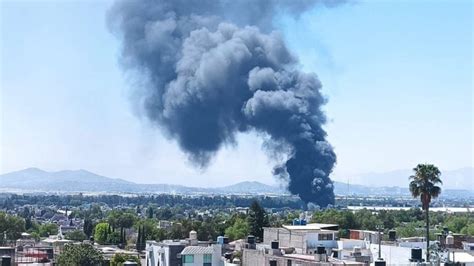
(236, 132)
(399, 92)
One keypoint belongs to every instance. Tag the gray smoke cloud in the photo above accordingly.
(211, 69)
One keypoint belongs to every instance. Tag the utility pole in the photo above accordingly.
(380, 261)
(379, 228)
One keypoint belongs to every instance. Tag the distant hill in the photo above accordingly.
(34, 179)
(37, 180)
(251, 187)
(78, 180)
(462, 178)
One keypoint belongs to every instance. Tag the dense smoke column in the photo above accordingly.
(210, 69)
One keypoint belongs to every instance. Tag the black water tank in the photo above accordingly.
(392, 235)
(321, 250)
(50, 253)
(379, 263)
(6, 261)
(275, 245)
(445, 230)
(416, 254)
(251, 239)
(226, 240)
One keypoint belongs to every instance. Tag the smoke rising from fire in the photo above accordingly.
(210, 69)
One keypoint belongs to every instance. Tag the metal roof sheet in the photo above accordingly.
(197, 250)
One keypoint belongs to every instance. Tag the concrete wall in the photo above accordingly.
(252, 257)
(303, 242)
(312, 242)
(198, 260)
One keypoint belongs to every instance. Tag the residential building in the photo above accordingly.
(202, 256)
(166, 253)
(305, 239)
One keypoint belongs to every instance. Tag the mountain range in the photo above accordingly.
(462, 178)
(37, 180)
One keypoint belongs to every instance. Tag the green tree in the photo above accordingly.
(456, 223)
(141, 239)
(101, 233)
(48, 229)
(28, 223)
(12, 225)
(468, 230)
(95, 212)
(424, 184)
(240, 229)
(407, 230)
(149, 212)
(76, 235)
(121, 219)
(152, 232)
(257, 219)
(114, 238)
(119, 258)
(88, 227)
(80, 255)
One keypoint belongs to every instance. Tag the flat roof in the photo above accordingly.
(462, 257)
(312, 258)
(311, 226)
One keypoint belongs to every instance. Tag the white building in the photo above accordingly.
(166, 253)
(468, 246)
(202, 256)
(304, 238)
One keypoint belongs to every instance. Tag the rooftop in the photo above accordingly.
(311, 226)
(197, 250)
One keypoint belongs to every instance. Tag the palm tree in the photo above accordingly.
(423, 184)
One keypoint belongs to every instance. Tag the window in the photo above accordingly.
(207, 260)
(288, 263)
(188, 258)
(324, 236)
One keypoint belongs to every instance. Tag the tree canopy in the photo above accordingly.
(80, 255)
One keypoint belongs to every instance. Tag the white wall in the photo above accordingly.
(216, 257)
(351, 243)
(415, 244)
(312, 241)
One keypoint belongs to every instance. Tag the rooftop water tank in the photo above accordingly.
(450, 240)
(275, 244)
(6, 261)
(392, 235)
(220, 240)
(251, 239)
(380, 262)
(193, 235)
(321, 250)
(357, 250)
(415, 254)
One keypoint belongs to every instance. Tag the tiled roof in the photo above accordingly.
(197, 250)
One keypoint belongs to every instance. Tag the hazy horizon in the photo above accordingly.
(399, 92)
(365, 179)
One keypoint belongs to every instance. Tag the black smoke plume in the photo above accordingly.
(209, 69)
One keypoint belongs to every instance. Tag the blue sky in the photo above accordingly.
(398, 76)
